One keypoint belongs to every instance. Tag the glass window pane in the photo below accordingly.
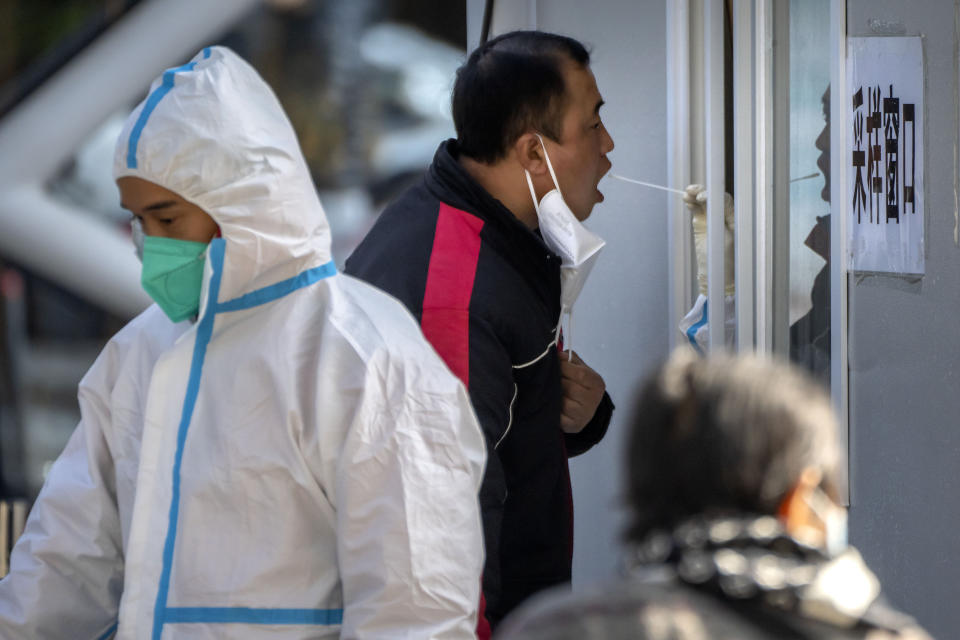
(809, 226)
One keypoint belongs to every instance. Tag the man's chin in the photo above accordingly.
(583, 216)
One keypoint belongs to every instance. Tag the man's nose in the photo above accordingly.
(607, 141)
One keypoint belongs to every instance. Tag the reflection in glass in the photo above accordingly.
(809, 195)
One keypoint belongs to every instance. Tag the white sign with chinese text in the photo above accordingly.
(885, 148)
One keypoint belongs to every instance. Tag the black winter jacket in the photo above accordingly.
(486, 291)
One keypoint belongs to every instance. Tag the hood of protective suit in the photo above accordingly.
(214, 133)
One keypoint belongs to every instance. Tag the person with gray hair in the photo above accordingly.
(735, 519)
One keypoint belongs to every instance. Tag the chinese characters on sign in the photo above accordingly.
(885, 138)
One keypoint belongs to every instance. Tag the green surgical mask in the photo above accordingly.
(173, 274)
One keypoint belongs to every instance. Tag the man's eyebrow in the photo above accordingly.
(600, 103)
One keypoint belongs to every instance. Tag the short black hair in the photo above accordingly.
(724, 435)
(510, 85)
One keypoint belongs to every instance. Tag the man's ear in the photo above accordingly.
(529, 153)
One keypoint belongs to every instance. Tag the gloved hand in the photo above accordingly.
(695, 197)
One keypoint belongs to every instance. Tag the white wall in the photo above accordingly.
(620, 322)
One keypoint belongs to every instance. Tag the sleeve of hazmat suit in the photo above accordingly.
(67, 568)
(693, 326)
(409, 545)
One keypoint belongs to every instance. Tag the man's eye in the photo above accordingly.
(597, 124)
(166, 220)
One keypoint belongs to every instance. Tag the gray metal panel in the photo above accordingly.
(904, 350)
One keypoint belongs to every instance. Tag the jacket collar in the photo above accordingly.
(450, 182)
(752, 558)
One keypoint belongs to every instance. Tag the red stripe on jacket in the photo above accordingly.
(446, 299)
(445, 319)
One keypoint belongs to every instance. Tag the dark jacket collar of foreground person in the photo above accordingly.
(492, 314)
(724, 578)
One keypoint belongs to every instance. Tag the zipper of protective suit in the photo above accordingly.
(162, 613)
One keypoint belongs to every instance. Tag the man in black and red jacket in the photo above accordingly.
(463, 252)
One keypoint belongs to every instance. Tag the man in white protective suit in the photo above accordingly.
(273, 450)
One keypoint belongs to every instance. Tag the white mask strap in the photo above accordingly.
(549, 165)
(568, 337)
(136, 234)
(533, 194)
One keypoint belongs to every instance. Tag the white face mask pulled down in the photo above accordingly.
(564, 235)
(834, 519)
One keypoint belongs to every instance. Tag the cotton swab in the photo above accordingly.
(647, 184)
(680, 191)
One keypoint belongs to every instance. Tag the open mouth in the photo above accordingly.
(603, 174)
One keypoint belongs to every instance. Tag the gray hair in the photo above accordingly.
(725, 434)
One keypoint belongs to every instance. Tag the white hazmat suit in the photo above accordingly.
(297, 462)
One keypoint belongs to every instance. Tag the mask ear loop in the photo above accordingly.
(546, 155)
(556, 334)
(533, 194)
(569, 312)
(536, 205)
(569, 335)
(136, 234)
